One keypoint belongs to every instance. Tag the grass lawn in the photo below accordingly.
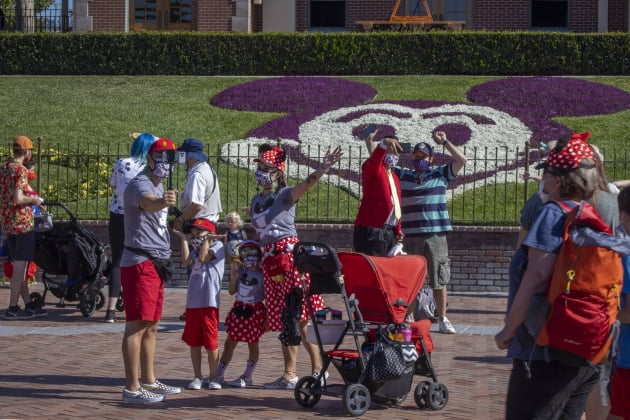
(95, 110)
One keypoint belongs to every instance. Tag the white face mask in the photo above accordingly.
(543, 195)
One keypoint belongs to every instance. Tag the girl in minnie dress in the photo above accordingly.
(246, 320)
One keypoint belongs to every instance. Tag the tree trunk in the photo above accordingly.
(25, 15)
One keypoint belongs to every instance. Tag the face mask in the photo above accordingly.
(421, 165)
(250, 261)
(543, 195)
(196, 241)
(390, 160)
(263, 178)
(161, 169)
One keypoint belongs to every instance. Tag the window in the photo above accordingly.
(327, 14)
(455, 9)
(550, 13)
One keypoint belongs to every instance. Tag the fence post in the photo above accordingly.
(38, 162)
(525, 189)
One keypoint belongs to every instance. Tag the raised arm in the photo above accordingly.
(459, 159)
(329, 160)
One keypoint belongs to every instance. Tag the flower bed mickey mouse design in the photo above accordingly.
(503, 115)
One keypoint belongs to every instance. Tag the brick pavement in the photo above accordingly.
(69, 366)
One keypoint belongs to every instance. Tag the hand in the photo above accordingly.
(503, 339)
(330, 159)
(392, 145)
(170, 197)
(440, 137)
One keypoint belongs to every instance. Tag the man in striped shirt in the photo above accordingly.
(425, 216)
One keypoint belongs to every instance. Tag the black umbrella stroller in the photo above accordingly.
(377, 293)
(74, 263)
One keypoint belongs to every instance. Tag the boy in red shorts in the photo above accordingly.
(205, 255)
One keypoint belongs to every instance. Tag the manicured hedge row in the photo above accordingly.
(384, 53)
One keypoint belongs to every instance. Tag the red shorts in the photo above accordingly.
(202, 328)
(619, 401)
(144, 292)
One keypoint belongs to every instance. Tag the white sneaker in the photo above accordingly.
(195, 384)
(446, 327)
(323, 380)
(216, 382)
(241, 382)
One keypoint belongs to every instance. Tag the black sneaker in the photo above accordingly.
(15, 313)
(35, 310)
(110, 316)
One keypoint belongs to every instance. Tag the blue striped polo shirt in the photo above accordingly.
(424, 200)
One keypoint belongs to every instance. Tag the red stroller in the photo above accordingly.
(376, 292)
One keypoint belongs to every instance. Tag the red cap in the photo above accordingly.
(162, 144)
(201, 223)
(572, 154)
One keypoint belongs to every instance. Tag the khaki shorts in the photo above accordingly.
(435, 249)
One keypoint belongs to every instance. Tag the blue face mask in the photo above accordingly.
(263, 178)
(421, 165)
(161, 169)
(390, 160)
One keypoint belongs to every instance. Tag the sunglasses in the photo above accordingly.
(247, 252)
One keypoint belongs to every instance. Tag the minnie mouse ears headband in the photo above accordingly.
(569, 152)
(274, 157)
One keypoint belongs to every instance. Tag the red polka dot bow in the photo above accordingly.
(572, 154)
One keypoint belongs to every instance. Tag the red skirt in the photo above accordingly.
(246, 321)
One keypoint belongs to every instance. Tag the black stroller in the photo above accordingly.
(377, 292)
(74, 263)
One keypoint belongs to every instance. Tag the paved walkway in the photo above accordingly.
(69, 366)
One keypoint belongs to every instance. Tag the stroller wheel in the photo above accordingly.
(303, 391)
(421, 395)
(120, 303)
(356, 399)
(87, 305)
(438, 396)
(37, 299)
(100, 300)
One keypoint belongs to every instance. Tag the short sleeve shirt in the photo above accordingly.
(15, 219)
(204, 282)
(146, 230)
(202, 188)
(250, 286)
(273, 216)
(124, 171)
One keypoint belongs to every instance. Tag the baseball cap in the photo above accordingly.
(201, 223)
(22, 142)
(162, 145)
(423, 147)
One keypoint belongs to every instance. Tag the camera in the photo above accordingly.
(169, 156)
(368, 130)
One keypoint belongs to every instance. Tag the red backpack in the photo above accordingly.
(585, 286)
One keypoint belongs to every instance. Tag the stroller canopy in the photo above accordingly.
(384, 286)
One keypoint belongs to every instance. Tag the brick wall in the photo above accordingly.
(107, 15)
(215, 15)
(618, 15)
(498, 16)
(583, 16)
(480, 256)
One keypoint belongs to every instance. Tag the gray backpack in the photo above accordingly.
(425, 304)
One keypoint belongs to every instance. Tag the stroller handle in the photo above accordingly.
(63, 206)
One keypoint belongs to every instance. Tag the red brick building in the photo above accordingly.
(342, 15)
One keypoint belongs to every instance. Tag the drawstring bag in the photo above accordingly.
(43, 222)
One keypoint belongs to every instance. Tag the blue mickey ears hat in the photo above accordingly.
(194, 149)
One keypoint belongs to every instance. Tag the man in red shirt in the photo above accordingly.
(377, 226)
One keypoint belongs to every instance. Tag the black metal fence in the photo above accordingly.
(29, 20)
(489, 190)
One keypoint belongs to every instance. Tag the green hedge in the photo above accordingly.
(384, 53)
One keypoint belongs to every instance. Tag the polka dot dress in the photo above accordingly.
(275, 292)
(246, 329)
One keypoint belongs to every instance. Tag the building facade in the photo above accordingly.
(342, 15)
